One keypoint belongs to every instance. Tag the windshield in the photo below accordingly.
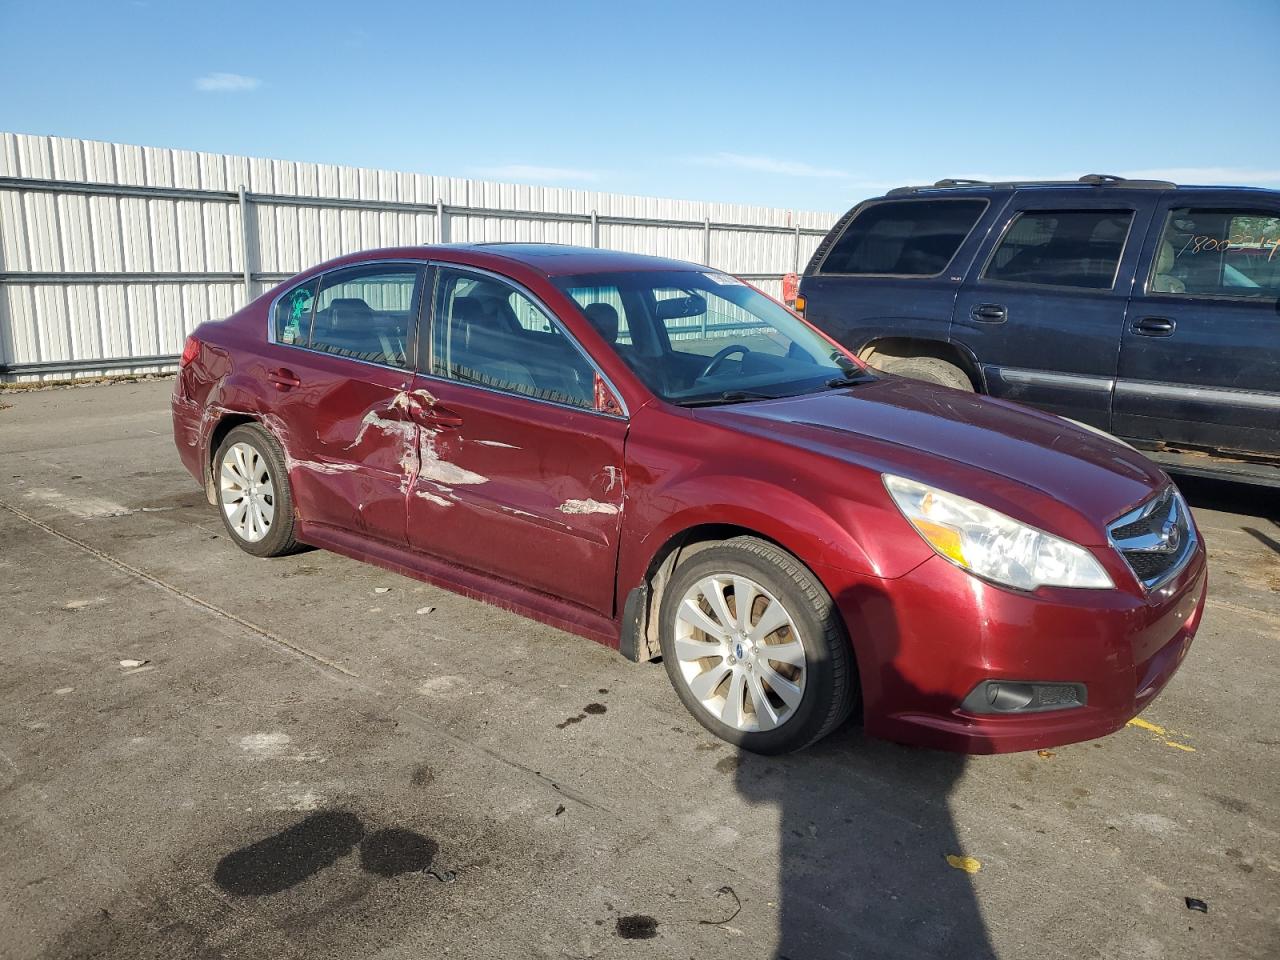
(700, 337)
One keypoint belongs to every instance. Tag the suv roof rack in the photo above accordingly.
(1089, 179)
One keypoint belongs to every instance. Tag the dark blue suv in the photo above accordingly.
(1143, 308)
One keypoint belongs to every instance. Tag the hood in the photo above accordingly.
(992, 451)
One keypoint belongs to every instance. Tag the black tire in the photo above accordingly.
(830, 687)
(930, 370)
(279, 539)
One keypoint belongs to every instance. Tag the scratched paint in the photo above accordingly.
(587, 506)
(496, 443)
(431, 467)
(432, 498)
(328, 469)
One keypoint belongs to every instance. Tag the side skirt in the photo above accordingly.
(500, 593)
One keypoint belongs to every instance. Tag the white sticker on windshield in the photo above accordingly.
(723, 279)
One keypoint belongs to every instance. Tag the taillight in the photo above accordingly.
(190, 350)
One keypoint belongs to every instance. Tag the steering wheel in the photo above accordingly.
(721, 357)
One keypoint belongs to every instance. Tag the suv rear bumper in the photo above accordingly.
(925, 640)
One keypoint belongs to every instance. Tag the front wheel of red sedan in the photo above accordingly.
(755, 648)
(253, 492)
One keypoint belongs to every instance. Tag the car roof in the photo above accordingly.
(562, 259)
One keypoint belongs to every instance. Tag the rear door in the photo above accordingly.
(1044, 304)
(520, 471)
(891, 270)
(340, 363)
(1200, 361)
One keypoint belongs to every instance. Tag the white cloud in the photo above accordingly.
(227, 83)
(520, 172)
(758, 164)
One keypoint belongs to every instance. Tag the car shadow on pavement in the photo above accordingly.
(1228, 496)
(865, 832)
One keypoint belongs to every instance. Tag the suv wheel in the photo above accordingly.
(930, 370)
(755, 648)
(253, 492)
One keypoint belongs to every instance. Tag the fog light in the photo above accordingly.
(1023, 696)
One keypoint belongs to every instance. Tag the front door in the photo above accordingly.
(518, 474)
(1043, 310)
(1200, 359)
(340, 362)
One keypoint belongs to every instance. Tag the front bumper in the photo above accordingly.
(925, 640)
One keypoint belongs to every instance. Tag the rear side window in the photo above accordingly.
(911, 238)
(1218, 253)
(364, 313)
(293, 314)
(1062, 248)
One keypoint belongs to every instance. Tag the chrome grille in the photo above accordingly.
(1157, 539)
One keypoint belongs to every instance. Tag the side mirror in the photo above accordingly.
(674, 308)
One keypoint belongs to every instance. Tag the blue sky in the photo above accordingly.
(804, 105)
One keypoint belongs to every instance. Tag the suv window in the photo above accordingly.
(489, 333)
(1218, 253)
(364, 313)
(913, 238)
(1062, 248)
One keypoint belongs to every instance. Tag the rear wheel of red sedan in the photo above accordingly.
(253, 492)
(755, 648)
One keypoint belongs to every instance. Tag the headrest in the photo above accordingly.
(350, 307)
(604, 318)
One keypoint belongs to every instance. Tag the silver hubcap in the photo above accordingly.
(739, 653)
(248, 495)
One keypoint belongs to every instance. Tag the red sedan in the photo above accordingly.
(659, 457)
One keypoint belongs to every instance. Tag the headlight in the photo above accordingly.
(991, 545)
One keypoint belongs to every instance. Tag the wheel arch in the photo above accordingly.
(639, 627)
(948, 350)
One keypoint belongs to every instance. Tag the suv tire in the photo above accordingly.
(930, 370)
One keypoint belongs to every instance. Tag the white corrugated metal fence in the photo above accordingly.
(110, 253)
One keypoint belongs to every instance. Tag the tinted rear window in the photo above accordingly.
(1062, 248)
(914, 238)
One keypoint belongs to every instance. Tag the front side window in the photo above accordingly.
(490, 334)
(1218, 253)
(364, 313)
(913, 238)
(1062, 248)
(293, 314)
(703, 337)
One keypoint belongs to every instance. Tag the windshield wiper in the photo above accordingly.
(729, 396)
(850, 380)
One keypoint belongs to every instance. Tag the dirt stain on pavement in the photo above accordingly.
(637, 926)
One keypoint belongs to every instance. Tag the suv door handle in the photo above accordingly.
(1153, 327)
(989, 313)
(283, 378)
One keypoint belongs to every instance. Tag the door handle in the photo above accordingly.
(434, 415)
(284, 379)
(1153, 327)
(989, 313)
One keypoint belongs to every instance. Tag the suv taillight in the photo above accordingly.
(190, 350)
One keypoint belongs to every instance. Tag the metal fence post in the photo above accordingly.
(441, 226)
(706, 241)
(795, 250)
(245, 244)
(595, 229)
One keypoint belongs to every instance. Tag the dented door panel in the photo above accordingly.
(350, 446)
(528, 491)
